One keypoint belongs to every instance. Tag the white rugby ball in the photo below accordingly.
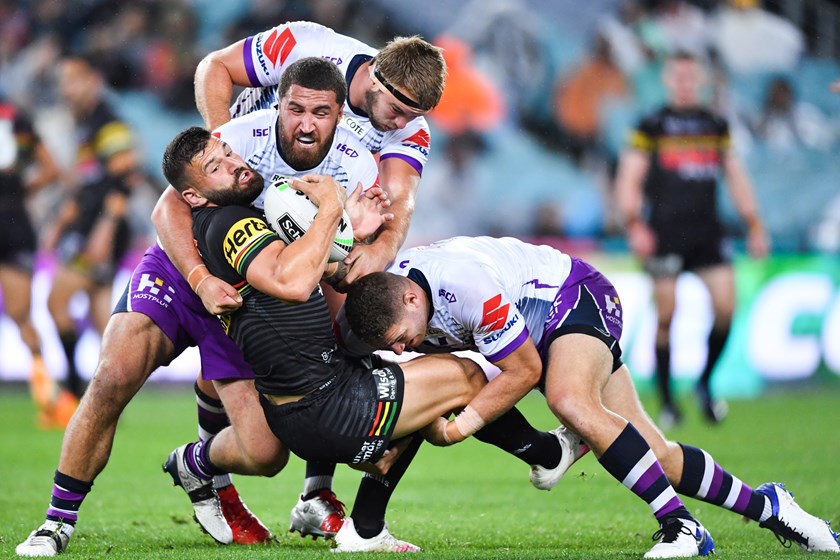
(289, 213)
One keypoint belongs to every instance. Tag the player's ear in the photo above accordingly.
(193, 197)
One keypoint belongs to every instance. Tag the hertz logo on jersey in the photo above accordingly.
(242, 239)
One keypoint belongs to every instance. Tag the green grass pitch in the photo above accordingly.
(468, 501)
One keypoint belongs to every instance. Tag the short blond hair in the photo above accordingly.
(416, 66)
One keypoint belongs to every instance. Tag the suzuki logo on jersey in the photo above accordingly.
(242, 237)
(495, 314)
(349, 152)
(497, 335)
(279, 45)
(419, 141)
(261, 131)
(448, 296)
(153, 287)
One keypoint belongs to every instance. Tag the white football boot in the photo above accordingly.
(348, 540)
(49, 539)
(791, 523)
(681, 538)
(573, 449)
(319, 516)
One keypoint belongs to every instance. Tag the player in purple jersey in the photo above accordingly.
(158, 317)
(556, 321)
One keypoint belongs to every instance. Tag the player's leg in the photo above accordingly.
(665, 297)
(720, 281)
(65, 284)
(578, 370)
(132, 347)
(694, 473)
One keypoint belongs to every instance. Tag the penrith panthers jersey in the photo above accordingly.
(487, 294)
(268, 54)
(254, 137)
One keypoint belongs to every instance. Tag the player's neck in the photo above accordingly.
(359, 85)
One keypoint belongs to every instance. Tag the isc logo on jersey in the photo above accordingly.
(242, 238)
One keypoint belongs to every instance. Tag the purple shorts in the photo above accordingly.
(158, 291)
(588, 304)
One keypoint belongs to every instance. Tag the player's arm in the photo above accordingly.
(520, 372)
(399, 180)
(291, 272)
(741, 190)
(633, 167)
(215, 77)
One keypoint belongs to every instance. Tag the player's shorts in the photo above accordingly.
(17, 240)
(158, 291)
(681, 250)
(586, 304)
(349, 419)
(71, 248)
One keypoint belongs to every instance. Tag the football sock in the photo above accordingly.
(319, 475)
(631, 461)
(67, 496)
(375, 492)
(74, 383)
(704, 479)
(663, 373)
(212, 419)
(716, 343)
(197, 459)
(511, 432)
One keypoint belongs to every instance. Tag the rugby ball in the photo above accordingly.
(289, 213)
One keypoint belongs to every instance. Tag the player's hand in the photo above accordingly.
(389, 457)
(364, 259)
(322, 190)
(641, 239)
(116, 204)
(218, 297)
(442, 433)
(758, 243)
(365, 211)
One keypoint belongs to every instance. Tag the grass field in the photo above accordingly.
(468, 501)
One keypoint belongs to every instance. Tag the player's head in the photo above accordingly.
(311, 96)
(207, 172)
(387, 311)
(407, 78)
(80, 84)
(683, 76)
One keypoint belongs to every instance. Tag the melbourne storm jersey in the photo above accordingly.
(268, 54)
(486, 294)
(254, 137)
(291, 348)
(687, 149)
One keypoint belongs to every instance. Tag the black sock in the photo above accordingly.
(319, 476)
(716, 343)
(375, 492)
(663, 373)
(511, 432)
(73, 382)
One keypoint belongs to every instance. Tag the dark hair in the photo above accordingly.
(314, 73)
(373, 305)
(683, 56)
(180, 153)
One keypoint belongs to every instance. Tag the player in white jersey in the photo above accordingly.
(553, 321)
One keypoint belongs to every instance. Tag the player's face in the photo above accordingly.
(223, 177)
(385, 111)
(683, 79)
(78, 86)
(408, 332)
(308, 119)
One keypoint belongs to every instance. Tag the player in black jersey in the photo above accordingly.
(667, 189)
(20, 146)
(90, 233)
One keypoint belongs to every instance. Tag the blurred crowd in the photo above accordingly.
(533, 118)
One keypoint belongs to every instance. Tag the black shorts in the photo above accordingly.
(349, 419)
(71, 247)
(17, 240)
(684, 249)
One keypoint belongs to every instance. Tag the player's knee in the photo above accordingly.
(267, 458)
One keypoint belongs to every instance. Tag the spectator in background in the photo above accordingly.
(750, 39)
(683, 26)
(578, 100)
(674, 162)
(20, 147)
(785, 123)
(90, 233)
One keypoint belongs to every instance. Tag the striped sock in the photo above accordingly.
(67, 496)
(704, 479)
(631, 461)
(212, 419)
(197, 458)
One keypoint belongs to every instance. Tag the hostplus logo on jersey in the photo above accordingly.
(613, 309)
(150, 290)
